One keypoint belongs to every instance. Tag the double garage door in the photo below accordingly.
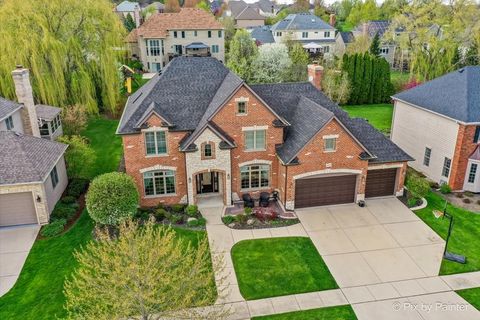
(17, 209)
(329, 190)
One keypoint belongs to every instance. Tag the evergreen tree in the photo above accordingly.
(129, 23)
(367, 79)
(375, 46)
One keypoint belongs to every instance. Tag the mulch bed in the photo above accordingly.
(277, 223)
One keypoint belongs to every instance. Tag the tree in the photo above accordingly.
(172, 6)
(241, 55)
(300, 59)
(300, 6)
(146, 272)
(271, 64)
(320, 11)
(229, 30)
(361, 44)
(336, 86)
(472, 55)
(79, 156)
(363, 12)
(74, 119)
(68, 47)
(204, 5)
(375, 46)
(112, 198)
(129, 23)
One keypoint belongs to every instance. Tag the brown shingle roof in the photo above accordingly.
(187, 19)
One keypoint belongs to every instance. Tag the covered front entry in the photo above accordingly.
(17, 209)
(381, 182)
(326, 190)
(207, 182)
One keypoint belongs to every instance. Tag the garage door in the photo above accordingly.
(380, 183)
(16, 209)
(325, 191)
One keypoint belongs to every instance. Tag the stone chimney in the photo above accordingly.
(23, 89)
(137, 16)
(333, 19)
(315, 73)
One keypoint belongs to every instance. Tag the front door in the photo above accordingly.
(207, 182)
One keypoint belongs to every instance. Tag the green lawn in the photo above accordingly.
(38, 293)
(280, 266)
(472, 296)
(330, 313)
(464, 239)
(379, 115)
(107, 145)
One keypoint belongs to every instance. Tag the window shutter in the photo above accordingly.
(477, 134)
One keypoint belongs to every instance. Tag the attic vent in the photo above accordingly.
(461, 70)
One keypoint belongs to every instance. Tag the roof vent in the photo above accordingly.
(461, 70)
(18, 134)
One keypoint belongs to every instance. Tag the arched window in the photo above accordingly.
(160, 182)
(208, 150)
(255, 176)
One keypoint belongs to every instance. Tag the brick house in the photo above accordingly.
(164, 36)
(198, 129)
(438, 123)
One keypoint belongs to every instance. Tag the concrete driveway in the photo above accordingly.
(15, 244)
(382, 242)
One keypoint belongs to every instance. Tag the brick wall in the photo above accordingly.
(136, 160)
(257, 115)
(312, 158)
(463, 149)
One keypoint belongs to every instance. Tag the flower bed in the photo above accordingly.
(257, 218)
(179, 215)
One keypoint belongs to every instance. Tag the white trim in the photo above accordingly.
(386, 166)
(157, 167)
(256, 161)
(254, 128)
(331, 136)
(326, 171)
(12, 113)
(150, 129)
(242, 99)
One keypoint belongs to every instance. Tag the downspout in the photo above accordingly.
(285, 187)
(186, 176)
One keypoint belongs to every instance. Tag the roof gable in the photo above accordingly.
(8, 107)
(455, 95)
(249, 13)
(301, 21)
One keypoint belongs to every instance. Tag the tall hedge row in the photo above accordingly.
(369, 77)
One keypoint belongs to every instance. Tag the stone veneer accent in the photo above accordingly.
(23, 89)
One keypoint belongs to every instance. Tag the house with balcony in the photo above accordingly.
(198, 130)
(164, 36)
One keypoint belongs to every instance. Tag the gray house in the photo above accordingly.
(32, 168)
(370, 29)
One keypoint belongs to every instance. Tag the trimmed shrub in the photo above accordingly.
(112, 198)
(76, 187)
(202, 221)
(445, 188)
(417, 186)
(54, 228)
(228, 219)
(68, 200)
(176, 218)
(241, 218)
(62, 211)
(160, 214)
(178, 208)
(192, 222)
(412, 202)
(192, 210)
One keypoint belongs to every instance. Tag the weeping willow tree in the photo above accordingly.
(72, 48)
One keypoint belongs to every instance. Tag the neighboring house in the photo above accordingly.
(265, 8)
(261, 35)
(438, 123)
(126, 8)
(32, 170)
(308, 29)
(342, 41)
(164, 36)
(248, 17)
(380, 27)
(197, 129)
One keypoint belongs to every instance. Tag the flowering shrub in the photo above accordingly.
(411, 84)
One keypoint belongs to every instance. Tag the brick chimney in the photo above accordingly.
(333, 19)
(23, 89)
(137, 16)
(315, 73)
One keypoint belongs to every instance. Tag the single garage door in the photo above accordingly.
(322, 191)
(16, 209)
(380, 182)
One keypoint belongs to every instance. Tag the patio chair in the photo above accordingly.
(248, 201)
(264, 199)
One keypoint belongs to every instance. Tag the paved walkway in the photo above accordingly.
(15, 244)
(386, 297)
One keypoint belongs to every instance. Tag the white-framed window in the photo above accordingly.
(54, 177)
(426, 156)
(219, 33)
(44, 129)
(9, 123)
(195, 33)
(183, 34)
(215, 48)
(384, 50)
(327, 34)
(255, 176)
(153, 48)
(161, 182)
(279, 34)
(209, 33)
(473, 172)
(330, 144)
(305, 34)
(255, 140)
(55, 123)
(447, 162)
(155, 143)
(242, 107)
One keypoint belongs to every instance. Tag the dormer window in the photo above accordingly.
(208, 150)
(242, 107)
